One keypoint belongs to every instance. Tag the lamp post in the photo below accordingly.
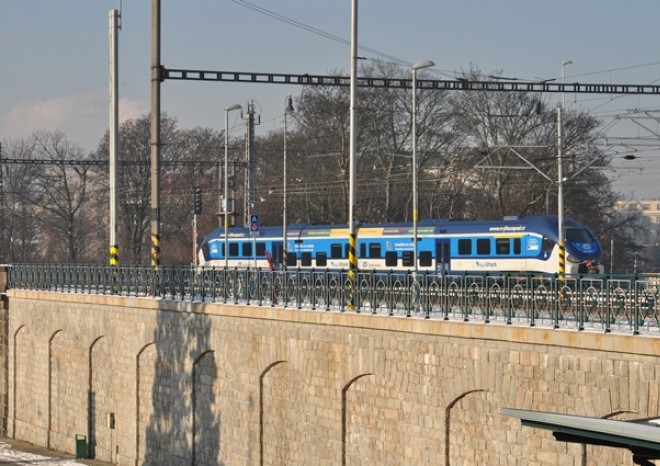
(228, 109)
(560, 178)
(288, 107)
(563, 81)
(417, 66)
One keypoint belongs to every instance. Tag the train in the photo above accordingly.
(509, 244)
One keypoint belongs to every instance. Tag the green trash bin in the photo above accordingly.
(81, 447)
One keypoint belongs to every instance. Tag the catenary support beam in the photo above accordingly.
(438, 84)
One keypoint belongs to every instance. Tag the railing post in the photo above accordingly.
(390, 295)
(636, 314)
(285, 287)
(556, 291)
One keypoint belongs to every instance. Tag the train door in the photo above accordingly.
(277, 252)
(442, 257)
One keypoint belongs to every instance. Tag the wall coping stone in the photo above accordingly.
(566, 338)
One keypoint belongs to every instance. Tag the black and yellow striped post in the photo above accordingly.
(561, 272)
(114, 264)
(155, 251)
(562, 260)
(114, 255)
(352, 269)
(155, 263)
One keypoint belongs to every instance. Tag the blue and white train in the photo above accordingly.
(512, 244)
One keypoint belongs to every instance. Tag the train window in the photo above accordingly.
(577, 235)
(277, 251)
(321, 259)
(306, 259)
(247, 249)
(442, 252)
(391, 260)
(465, 247)
(548, 244)
(408, 259)
(517, 248)
(483, 246)
(335, 251)
(261, 249)
(374, 250)
(503, 246)
(425, 259)
(363, 250)
(233, 249)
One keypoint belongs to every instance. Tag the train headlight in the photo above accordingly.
(570, 258)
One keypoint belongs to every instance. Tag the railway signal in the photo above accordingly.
(197, 201)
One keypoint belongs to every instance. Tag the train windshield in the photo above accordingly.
(577, 235)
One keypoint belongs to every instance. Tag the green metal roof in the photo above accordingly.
(641, 436)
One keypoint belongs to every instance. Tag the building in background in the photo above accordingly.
(647, 233)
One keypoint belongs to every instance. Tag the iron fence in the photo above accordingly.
(620, 303)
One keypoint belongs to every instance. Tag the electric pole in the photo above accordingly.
(251, 192)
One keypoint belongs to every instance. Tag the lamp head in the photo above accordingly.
(230, 108)
(423, 64)
(289, 104)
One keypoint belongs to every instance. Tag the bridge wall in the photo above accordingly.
(156, 382)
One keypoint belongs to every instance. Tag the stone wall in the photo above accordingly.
(155, 382)
(4, 350)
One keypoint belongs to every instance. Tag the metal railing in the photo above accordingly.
(607, 303)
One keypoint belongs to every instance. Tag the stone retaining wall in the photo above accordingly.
(148, 381)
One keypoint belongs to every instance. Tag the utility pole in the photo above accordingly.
(113, 132)
(250, 186)
(231, 191)
(197, 210)
(352, 230)
(155, 136)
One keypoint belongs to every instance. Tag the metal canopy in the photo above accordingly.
(641, 436)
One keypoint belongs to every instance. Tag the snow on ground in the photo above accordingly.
(9, 455)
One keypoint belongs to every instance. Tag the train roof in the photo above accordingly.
(546, 224)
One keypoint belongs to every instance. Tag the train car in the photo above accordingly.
(512, 244)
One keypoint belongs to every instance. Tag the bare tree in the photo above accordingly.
(192, 162)
(189, 159)
(472, 147)
(21, 228)
(60, 193)
(504, 130)
(319, 150)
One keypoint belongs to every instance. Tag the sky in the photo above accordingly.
(54, 58)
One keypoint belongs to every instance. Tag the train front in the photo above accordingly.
(583, 252)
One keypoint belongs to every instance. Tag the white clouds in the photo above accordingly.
(83, 118)
(132, 109)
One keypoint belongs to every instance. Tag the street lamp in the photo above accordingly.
(228, 109)
(288, 107)
(417, 66)
(563, 81)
